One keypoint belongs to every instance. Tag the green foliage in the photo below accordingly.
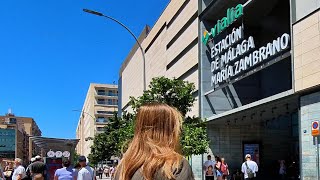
(194, 138)
(174, 92)
(111, 141)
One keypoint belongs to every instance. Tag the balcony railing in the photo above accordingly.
(102, 120)
(107, 94)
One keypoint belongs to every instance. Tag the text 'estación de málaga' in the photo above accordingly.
(233, 54)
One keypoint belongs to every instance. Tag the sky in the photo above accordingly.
(50, 51)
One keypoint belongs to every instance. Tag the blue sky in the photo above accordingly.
(50, 51)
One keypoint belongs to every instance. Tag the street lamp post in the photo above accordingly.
(142, 51)
(94, 119)
(85, 113)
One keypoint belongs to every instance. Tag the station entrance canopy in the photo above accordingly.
(55, 144)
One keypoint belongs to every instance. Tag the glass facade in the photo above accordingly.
(7, 143)
(302, 8)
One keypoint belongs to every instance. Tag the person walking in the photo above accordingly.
(210, 173)
(1, 169)
(224, 169)
(19, 171)
(106, 171)
(100, 172)
(249, 168)
(9, 171)
(38, 168)
(218, 168)
(85, 173)
(65, 173)
(153, 153)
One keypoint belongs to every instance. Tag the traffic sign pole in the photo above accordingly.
(317, 154)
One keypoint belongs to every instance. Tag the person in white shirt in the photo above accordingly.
(85, 173)
(249, 164)
(19, 171)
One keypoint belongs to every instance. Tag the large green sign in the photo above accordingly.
(232, 15)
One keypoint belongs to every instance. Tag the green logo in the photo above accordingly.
(232, 15)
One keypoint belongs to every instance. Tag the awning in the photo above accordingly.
(55, 144)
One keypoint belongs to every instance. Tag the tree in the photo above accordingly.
(109, 143)
(174, 92)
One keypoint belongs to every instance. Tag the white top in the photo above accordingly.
(18, 170)
(85, 173)
(252, 165)
(208, 163)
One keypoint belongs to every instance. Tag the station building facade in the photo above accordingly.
(256, 66)
(259, 64)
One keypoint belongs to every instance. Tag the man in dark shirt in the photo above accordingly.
(38, 168)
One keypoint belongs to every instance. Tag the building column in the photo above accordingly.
(309, 111)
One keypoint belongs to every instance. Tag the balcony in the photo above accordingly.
(100, 129)
(105, 112)
(108, 102)
(102, 120)
(107, 93)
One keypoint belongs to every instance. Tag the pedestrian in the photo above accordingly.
(154, 150)
(9, 171)
(282, 169)
(249, 168)
(106, 171)
(210, 173)
(65, 173)
(1, 169)
(224, 169)
(218, 168)
(38, 168)
(237, 175)
(19, 171)
(100, 172)
(208, 163)
(28, 171)
(85, 173)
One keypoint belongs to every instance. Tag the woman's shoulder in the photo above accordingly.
(184, 172)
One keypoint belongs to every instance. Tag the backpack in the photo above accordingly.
(249, 171)
(224, 169)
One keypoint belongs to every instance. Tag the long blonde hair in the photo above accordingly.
(155, 145)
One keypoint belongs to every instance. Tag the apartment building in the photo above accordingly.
(100, 104)
(14, 137)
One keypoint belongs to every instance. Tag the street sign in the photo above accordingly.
(315, 128)
(66, 154)
(58, 154)
(50, 154)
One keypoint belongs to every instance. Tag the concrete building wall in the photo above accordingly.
(310, 111)
(306, 40)
(170, 48)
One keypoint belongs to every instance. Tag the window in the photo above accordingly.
(112, 93)
(100, 129)
(101, 101)
(101, 92)
(101, 120)
(302, 8)
(104, 112)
